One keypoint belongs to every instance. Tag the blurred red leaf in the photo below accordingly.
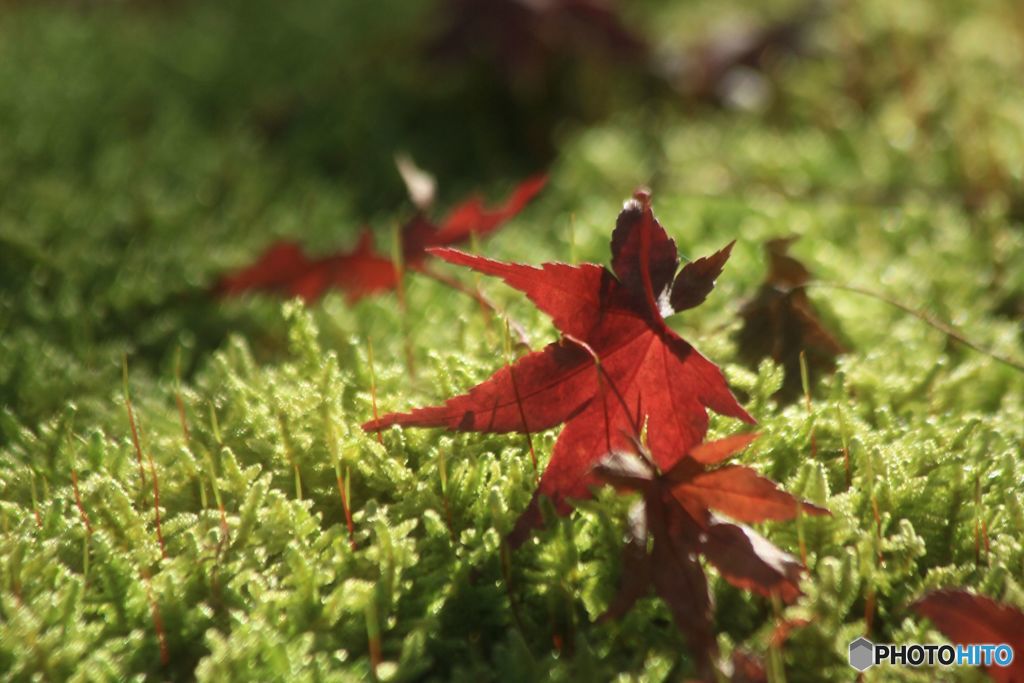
(966, 618)
(613, 316)
(285, 268)
(781, 322)
(468, 218)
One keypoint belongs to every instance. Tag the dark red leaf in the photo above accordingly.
(749, 561)
(966, 618)
(741, 493)
(745, 558)
(682, 527)
(697, 279)
(784, 271)
(643, 363)
(781, 322)
(635, 577)
(672, 569)
(644, 258)
(679, 578)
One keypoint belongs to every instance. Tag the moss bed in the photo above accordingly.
(146, 149)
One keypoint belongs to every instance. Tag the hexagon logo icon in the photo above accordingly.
(862, 654)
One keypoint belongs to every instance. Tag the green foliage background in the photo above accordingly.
(146, 149)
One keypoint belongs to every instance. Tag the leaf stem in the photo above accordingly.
(929, 320)
(343, 483)
(634, 423)
(519, 401)
(373, 636)
(156, 505)
(131, 420)
(480, 298)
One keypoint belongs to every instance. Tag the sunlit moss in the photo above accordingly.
(128, 181)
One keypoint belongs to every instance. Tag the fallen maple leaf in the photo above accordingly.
(468, 218)
(286, 269)
(676, 512)
(966, 619)
(618, 319)
(780, 323)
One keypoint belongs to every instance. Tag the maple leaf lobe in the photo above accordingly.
(683, 526)
(640, 245)
(278, 265)
(697, 278)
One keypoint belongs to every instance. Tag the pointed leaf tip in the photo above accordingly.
(714, 452)
(643, 195)
(697, 279)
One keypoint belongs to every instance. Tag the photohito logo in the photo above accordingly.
(864, 654)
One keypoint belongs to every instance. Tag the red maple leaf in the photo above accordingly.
(616, 317)
(966, 618)
(676, 512)
(468, 218)
(286, 269)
